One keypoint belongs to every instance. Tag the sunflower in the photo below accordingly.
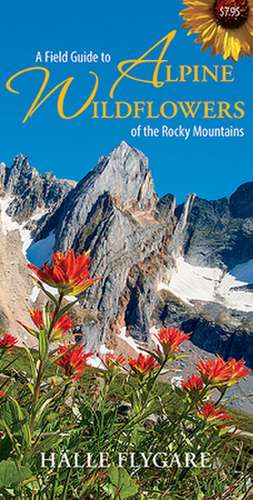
(224, 25)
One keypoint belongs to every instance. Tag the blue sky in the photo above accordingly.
(210, 167)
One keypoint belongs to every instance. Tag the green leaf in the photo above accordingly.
(12, 362)
(10, 475)
(200, 496)
(5, 448)
(9, 416)
(49, 295)
(123, 484)
(47, 444)
(41, 407)
(27, 434)
(23, 422)
(31, 388)
(18, 409)
(43, 345)
(182, 356)
(65, 309)
(53, 359)
(154, 354)
(32, 363)
(47, 319)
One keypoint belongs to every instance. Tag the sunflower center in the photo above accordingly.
(231, 14)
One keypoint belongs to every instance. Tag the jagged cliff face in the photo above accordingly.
(124, 175)
(190, 265)
(30, 191)
(113, 212)
(27, 199)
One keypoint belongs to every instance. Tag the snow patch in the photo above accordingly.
(176, 381)
(34, 294)
(129, 340)
(207, 284)
(153, 334)
(35, 252)
(95, 362)
(104, 350)
(162, 286)
(193, 282)
(240, 276)
(53, 291)
(7, 224)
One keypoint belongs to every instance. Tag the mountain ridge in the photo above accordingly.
(160, 262)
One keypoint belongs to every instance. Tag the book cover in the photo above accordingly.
(126, 256)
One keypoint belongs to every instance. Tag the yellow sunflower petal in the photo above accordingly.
(199, 19)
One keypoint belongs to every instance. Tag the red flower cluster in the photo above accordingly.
(73, 360)
(143, 364)
(170, 339)
(69, 273)
(210, 413)
(8, 341)
(237, 369)
(61, 326)
(2, 394)
(192, 384)
(112, 360)
(218, 371)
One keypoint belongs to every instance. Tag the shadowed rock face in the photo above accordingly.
(219, 232)
(135, 240)
(241, 202)
(124, 174)
(30, 191)
(119, 241)
(222, 340)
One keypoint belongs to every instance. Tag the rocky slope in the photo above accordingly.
(189, 265)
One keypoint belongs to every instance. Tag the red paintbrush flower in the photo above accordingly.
(69, 273)
(2, 394)
(237, 369)
(8, 341)
(112, 360)
(40, 318)
(218, 371)
(192, 384)
(143, 364)
(61, 326)
(214, 370)
(212, 414)
(170, 339)
(73, 360)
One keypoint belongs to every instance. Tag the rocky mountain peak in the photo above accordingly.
(189, 265)
(30, 191)
(20, 162)
(124, 174)
(134, 184)
(241, 201)
(19, 175)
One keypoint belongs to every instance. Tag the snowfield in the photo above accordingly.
(191, 283)
(8, 225)
(188, 282)
(127, 340)
(231, 287)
